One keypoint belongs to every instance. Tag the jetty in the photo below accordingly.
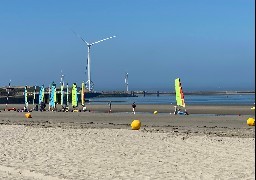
(16, 94)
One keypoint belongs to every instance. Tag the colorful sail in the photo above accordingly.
(41, 94)
(74, 95)
(82, 93)
(34, 95)
(179, 93)
(53, 95)
(26, 96)
(61, 93)
(67, 96)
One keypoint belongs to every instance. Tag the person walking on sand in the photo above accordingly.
(175, 110)
(133, 107)
(109, 107)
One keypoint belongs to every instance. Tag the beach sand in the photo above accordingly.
(100, 145)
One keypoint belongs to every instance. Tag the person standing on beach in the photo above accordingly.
(175, 110)
(185, 112)
(133, 107)
(109, 107)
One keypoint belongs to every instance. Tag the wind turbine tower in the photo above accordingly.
(89, 82)
(126, 81)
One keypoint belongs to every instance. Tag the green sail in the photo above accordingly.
(179, 93)
(82, 94)
(74, 95)
(61, 94)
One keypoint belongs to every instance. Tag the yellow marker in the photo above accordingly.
(135, 124)
(28, 115)
(253, 108)
(155, 112)
(251, 122)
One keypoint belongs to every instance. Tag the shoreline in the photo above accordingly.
(150, 108)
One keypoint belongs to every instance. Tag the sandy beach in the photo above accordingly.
(100, 145)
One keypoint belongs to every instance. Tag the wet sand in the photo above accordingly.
(101, 145)
(192, 109)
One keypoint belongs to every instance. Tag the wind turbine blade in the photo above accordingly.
(103, 40)
(84, 41)
(80, 38)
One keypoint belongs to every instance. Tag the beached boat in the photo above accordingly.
(180, 108)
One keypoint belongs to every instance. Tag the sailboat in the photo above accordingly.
(74, 96)
(82, 94)
(179, 99)
(26, 97)
(41, 95)
(52, 102)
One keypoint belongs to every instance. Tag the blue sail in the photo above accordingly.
(41, 94)
(52, 95)
(26, 96)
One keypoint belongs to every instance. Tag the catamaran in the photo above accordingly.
(179, 98)
(26, 97)
(82, 94)
(41, 95)
(53, 96)
(74, 96)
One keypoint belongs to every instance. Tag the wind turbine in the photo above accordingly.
(89, 81)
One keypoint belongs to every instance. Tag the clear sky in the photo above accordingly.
(209, 44)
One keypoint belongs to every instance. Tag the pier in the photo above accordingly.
(16, 94)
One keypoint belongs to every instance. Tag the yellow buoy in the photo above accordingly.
(155, 112)
(28, 115)
(135, 124)
(251, 122)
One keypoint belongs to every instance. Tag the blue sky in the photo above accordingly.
(208, 44)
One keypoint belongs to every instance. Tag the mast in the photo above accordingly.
(26, 96)
(8, 91)
(61, 89)
(67, 96)
(34, 95)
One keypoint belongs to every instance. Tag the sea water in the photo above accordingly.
(231, 99)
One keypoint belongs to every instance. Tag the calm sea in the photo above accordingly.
(243, 99)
